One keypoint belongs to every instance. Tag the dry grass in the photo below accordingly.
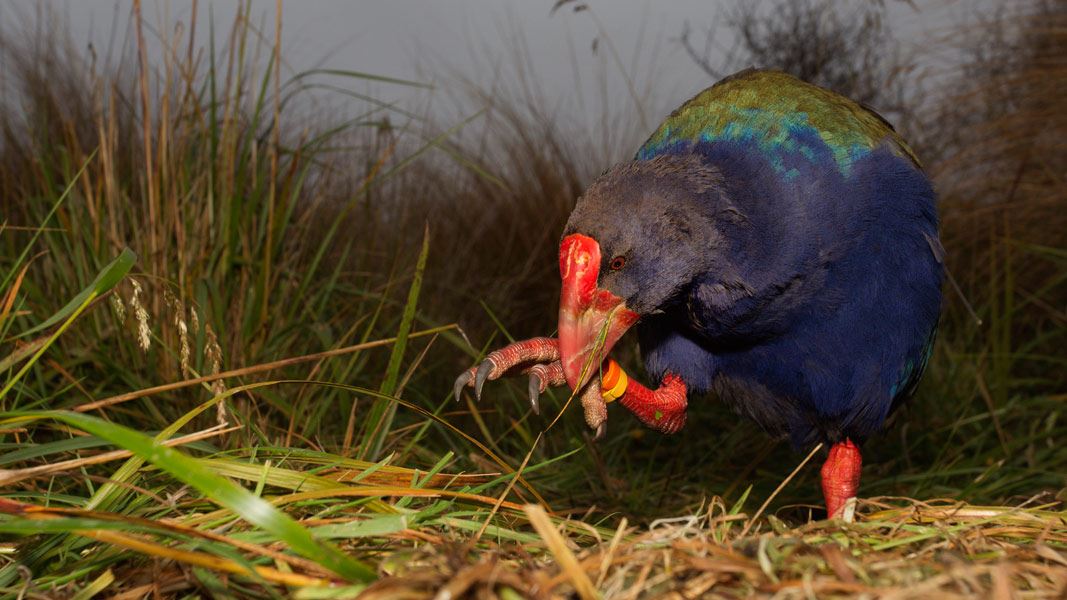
(897, 548)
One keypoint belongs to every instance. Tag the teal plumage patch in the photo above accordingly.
(781, 115)
(912, 373)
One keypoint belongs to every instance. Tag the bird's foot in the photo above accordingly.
(536, 357)
(841, 479)
(595, 409)
(662, 409)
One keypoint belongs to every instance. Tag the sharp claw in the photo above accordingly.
(600, 431)
(461, 382)
(481, 376)
(535, 393)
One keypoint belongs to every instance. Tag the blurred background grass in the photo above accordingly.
(266, 231)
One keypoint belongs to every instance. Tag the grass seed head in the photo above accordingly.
(115, 300)
(183, 347)
(213, 360)
(144, 337)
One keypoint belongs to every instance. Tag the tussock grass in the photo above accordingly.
(253, 399)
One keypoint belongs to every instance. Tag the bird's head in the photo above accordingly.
(637, 238)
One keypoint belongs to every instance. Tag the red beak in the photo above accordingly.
(591, 319)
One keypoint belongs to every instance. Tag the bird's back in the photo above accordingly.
(780, 114)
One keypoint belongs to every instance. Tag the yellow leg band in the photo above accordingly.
(613, 382)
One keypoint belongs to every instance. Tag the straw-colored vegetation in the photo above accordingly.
(228, 332)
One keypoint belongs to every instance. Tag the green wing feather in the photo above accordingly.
(774, 109)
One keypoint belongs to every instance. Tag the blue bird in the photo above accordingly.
(776, 245)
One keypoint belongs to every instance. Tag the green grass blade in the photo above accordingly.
(382, 412)
(224, 492)
(107, 279)
(359, 75)
(55, 206)
(98, 585)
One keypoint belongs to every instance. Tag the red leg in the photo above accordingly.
(662, 409)
(534, 350)
(499, 362)
(544, 375)
(841, 476)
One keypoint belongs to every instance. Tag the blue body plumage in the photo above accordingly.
(850, 305)
(827, 319)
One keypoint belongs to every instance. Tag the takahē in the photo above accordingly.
(776, 245)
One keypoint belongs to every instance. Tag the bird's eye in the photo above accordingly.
(617, 263)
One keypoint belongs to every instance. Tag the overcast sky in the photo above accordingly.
(421, 39)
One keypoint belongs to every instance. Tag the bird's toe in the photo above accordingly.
(535, 387)
(594, 407)
(462, 381)
(485, 372)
